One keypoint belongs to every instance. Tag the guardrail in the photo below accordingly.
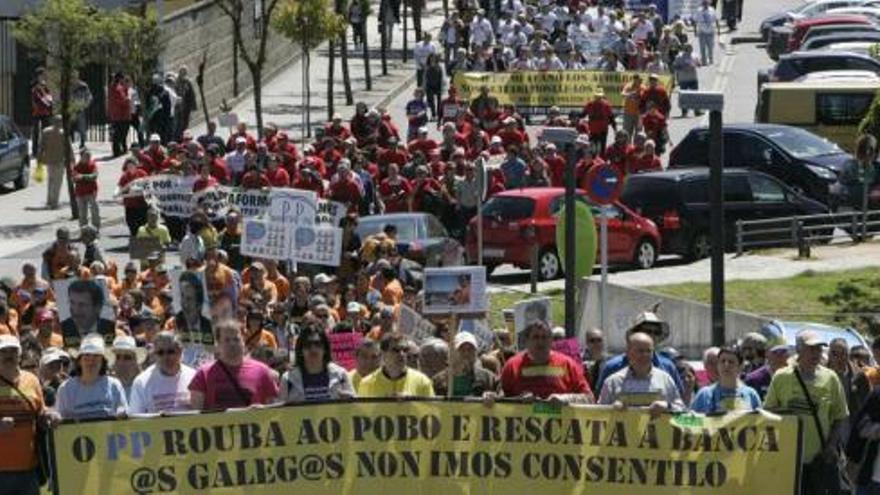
(803, 232)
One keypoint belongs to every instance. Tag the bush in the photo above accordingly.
(857, 304)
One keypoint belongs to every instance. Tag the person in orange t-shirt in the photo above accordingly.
(21, 406)
(254, 333)
(259, 286)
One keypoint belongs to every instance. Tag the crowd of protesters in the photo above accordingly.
(266, 338)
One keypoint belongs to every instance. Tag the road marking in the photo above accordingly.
(721, 75)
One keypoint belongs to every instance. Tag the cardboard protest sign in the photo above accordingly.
(84, 308)
(264, 239)
(480, 328)
(192, 315)
(460, 289)
(528, 311)
(413, 325)
(570, 347)
(344, 347)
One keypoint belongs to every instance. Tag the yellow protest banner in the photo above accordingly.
(431, 448)
(563, 88)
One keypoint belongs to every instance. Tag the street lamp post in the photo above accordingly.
(714, 103)
(564, 138)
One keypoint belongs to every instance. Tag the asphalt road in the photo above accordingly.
(734, 74)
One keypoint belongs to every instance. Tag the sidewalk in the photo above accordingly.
(27, 224)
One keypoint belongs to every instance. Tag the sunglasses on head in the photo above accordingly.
(166, 352)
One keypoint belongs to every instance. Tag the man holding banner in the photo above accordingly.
(542, 372)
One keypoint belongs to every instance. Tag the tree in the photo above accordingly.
(68, 34)
(139, 45)
(254, 57)
(342, 10)
(308, 23)
(365, 14)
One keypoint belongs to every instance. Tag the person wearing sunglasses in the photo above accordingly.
(315, 377)
(164, 386)
(395, 378)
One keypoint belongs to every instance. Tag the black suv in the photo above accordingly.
(797, 64)
(678, 202)
(804, 161)
(14, 159)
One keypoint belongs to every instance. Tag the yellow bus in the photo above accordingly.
(831, 108)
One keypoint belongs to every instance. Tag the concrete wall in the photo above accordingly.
(690, 322)
(189, 32)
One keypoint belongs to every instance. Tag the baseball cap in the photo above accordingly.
(43, 316)
(154, 138)
(462, 338)
(780, 348)
(53, 354)
(240, 140)
(353, 307)
(9, 342)
(323, 278)
(809, 338)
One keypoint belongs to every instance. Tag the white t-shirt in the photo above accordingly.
(643, 31)
(422, 51)
(706, 20)
(153, 391)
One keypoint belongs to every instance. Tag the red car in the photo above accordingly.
(802, 26)
(508, 216)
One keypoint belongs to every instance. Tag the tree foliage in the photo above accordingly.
(308, 22)
(856, 304)
(139, 46)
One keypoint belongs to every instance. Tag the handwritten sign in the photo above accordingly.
(344, 348)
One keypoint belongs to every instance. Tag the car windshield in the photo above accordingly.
(506, 208)
(406, 227)
(800, 143)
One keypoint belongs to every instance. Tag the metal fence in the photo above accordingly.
(803, 232)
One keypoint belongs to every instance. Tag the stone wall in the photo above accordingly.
(203, 26)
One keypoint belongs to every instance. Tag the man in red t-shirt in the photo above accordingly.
(278, 177)
(620, 152)
(654, 123)
(542, 372)
(254, 179)
(134, 203)
(345, 189)
(206, 180)
(555, 164)
(395, 191)
(600, 117)
(85, 180)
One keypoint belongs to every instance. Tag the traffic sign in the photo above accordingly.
(604, 184)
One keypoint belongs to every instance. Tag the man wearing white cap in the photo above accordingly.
(53, 372)
(237, 159)
(90, 393)
(164, 386)
(21, 403)
(814, 393)
(469, 378)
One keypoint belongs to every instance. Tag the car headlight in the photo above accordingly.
(823, 173)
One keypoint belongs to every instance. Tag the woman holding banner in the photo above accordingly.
(315, 377)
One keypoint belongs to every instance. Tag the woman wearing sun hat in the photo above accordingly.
(90, 392)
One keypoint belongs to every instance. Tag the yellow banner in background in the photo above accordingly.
(563, 88)
(431, 448)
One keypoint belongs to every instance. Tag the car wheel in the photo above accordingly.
(24, 177)
(700, 246)
(549, 266)
(645, 255)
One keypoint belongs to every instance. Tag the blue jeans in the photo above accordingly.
(871, 489)
(19, 483)
(707, 48)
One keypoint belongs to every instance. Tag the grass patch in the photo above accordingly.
(499, 301)
(795, 298)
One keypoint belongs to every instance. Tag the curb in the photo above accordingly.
(747, 38)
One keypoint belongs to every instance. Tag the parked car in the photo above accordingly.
(804, 10)
(677, 201)
(804, 161)
(828, 39)
(15, 165)
(871, 12)
(420, 237)
(797, 64)
(783, 38)
(831, 29)
(859, 47)
(509, 216)
(785, 332)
